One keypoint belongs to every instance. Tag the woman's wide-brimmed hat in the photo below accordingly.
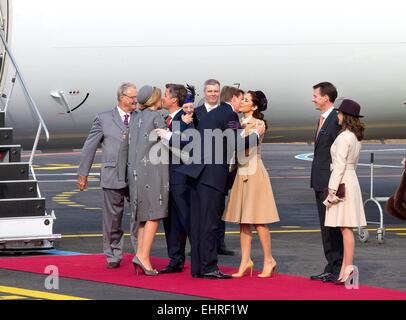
(350, 107)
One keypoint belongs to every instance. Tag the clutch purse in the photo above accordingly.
(340, 191)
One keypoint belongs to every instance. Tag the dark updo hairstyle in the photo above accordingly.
(261, 102)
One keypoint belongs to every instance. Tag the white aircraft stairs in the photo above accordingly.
(25, 224)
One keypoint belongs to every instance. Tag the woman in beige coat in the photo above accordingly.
(251, 199)
(346, 212)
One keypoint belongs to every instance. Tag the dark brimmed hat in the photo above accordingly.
(351, 108)
(263, 101)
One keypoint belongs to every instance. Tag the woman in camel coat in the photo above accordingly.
(251, 201)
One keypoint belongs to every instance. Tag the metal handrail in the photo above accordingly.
(26, 92)
(31, 103)
(10, 93)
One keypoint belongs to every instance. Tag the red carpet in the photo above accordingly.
(279, 287)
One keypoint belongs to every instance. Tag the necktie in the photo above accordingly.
(126, 120)
(321, 121)
(168, 121)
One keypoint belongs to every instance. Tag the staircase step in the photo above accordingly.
(14, 171)
(18, 189)
(6, 136)
(2, 119)
(11, 153)
(15, 208)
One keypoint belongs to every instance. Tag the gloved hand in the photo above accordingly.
(331, 199)
(161, 132)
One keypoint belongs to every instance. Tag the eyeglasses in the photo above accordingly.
(132, 98)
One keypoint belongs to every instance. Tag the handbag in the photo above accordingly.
(340, 191)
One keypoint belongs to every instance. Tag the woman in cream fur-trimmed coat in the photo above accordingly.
(348, 212)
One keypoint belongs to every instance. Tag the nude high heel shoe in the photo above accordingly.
(349, 274)
(270, 273)
(249, 266)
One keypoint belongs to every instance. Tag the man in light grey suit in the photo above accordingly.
(110, 128)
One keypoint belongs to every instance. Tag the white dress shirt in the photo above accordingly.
(327, 113)
(209, 107)
(168, 135)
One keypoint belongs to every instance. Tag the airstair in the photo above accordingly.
(25, 223)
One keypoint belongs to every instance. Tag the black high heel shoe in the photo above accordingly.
(138, 265)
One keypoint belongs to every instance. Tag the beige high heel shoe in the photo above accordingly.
(270, 273)
(250, 266)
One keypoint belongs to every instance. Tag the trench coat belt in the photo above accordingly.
(348, 166)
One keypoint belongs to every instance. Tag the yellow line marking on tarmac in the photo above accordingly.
(55, 167)
(291, 227)
(12, 298)
(160, 234)
(401, 234)
(65, 198)
(37, 294)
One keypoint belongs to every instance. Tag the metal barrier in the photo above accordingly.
(363, 233)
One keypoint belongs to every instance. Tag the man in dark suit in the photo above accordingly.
(210, 103)
(327, 131)
(177, 224)
(211, 179)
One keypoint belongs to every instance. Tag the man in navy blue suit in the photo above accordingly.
(211, 178)
(210, 103)
(177, 224)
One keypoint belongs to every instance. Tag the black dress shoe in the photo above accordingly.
(171, 269)
(216, 275)
(330, 278)
(113, 265)
(320, 276)
(225, 252)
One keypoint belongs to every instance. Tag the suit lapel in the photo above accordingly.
(178, 117)
(117, 119)
(325, 126)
